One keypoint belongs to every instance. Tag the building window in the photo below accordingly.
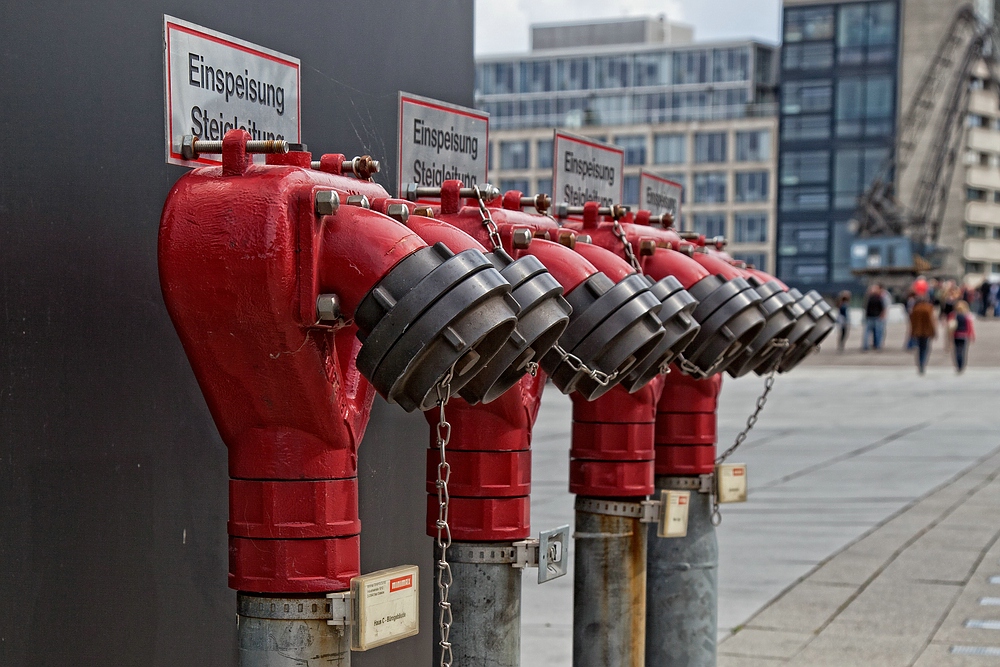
(866, 32)
(753, 146)
(804, 238)
(854, 170)
(751, 227)
(751, 186)
(544, 186)
(806, 96)
(710, 147)
(543, 149)
(805, 128)
(975, 194)
(975, 231)
(709, 224)
(670, 149)
(710, 187)
(611, 72)
(756, 260)
(800, 167)
(573, 74)
(651, 69)
(996, 233)
(691, 66)
(519, 184)
(634, 146)
(807, 56)
(975, 267)
(805, 199)
(730, 65)
(995, 268)
(536, 76)
(513, 154)
(495, 78)
(630, 185)
(808, 24)
(975, 120)
(865, 106)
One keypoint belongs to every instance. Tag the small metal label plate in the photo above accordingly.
(731, 480)
(386, 606)
(552, 553)
(674, 506)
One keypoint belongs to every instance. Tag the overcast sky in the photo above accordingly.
(502, 25)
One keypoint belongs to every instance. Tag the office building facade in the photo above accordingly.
(701, 114)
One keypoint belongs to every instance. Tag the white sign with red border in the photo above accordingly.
(385, 606)
(214, 83)
(586, 170)
(659, 195)
(439, 142)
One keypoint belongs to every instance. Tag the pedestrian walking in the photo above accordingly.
(922, 330)
(843, 318)
(874, 313)
(963, 334)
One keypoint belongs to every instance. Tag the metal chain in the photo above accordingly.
(491, 226)
(741, 438)
(629, 254)
(601, 378)
(692, 370)
(444, 576)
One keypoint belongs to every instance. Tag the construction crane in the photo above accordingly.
(934, 119)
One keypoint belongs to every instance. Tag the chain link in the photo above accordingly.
(601, 378)
(444, 576)
(629, 254)
(491, 226)
(685, 365)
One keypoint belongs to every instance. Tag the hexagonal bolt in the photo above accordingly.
(520, 238)
(568, 239)
(192, 146)
(647, 246)
(327, 308)
(720, 242)
(362, 166)
(413, 192)
(667, 220)
(689, 236)
(359, 200)
(542, 234)
(540, 203)
(398, 212)
(327, 202)
(584, 238)
(425, 211)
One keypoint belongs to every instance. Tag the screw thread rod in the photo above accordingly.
(214, 147)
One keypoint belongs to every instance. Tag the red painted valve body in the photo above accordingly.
(243, 257)
(490, 458)
(686, 424)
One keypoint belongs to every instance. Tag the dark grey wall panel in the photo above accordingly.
(112, 475)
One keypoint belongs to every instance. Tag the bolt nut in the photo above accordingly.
(425, 211)
(327, 308)
(187, 147)
(690, 236)
(398, 212)
(359, 200)
(521, 238)
(567, 239)
(584, 238)
(647, 246)
(667, 220)
(327, 202)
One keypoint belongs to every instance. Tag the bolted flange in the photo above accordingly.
(780, 313)
(729, 317)
(822, 313)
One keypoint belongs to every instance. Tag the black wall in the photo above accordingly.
(113, 483)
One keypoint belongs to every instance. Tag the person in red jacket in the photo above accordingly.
(963, 334)
(922, 330)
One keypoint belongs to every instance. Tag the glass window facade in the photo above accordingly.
(710, 147)
(839, 82)
(754, 146)
(649, 86)
(513, 154)
(543, 153)
(634, 146)
(751, 186)
(750, 227)
(670, 149)
(709, 224)
(519, 184)
(630, 185)
(710, 187)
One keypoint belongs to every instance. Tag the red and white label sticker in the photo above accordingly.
(400, 583)
(214, 83)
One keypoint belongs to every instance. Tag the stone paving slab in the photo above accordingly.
(900, 596)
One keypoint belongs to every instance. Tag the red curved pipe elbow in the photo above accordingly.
(434, 231)
(568, 267)
(607, 261)
(663, 263)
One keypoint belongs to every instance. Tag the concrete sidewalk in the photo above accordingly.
(922, 589)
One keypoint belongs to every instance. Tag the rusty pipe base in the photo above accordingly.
(289, 632)
(485, 599)
(609, 591)
(683, 590)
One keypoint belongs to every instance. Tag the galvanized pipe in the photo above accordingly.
(683, 589)
(609, 591)
(289, 632)
(485, 604)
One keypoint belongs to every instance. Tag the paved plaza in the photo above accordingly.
(868, 538)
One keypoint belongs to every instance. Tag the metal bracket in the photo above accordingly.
(701, 483)
(341, 609)
(547, 553)
(651, 510)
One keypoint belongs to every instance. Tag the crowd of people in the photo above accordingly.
(932, 306)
